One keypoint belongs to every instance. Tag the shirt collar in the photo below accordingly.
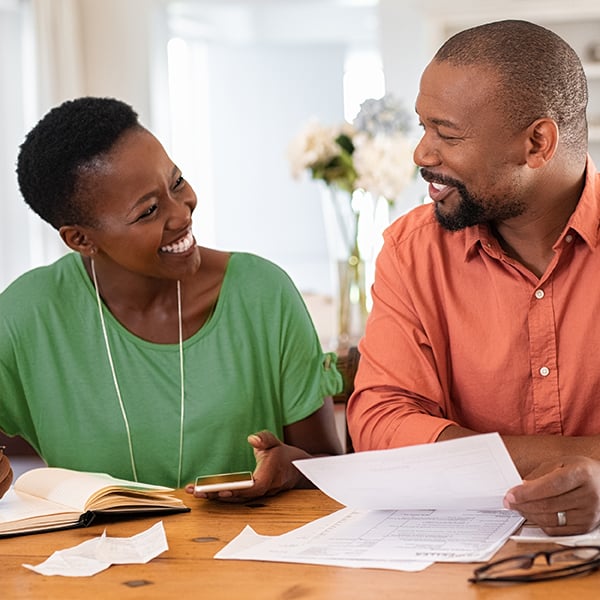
(585, 219)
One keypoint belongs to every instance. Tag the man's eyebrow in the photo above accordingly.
(444, 123)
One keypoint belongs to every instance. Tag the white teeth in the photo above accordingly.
(185, 243)
(439, 187)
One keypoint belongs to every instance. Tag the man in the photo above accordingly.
(486, 303)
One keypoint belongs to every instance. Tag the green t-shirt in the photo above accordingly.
(256, 364)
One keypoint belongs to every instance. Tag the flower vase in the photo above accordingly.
(342, 221)
(374, 218)
(351, 305)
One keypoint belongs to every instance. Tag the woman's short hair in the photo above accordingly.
(55, 152)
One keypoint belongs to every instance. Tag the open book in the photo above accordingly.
(50, 498)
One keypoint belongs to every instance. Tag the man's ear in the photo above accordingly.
(542, 142)
(78, 239)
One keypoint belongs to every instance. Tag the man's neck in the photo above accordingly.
(529, 238)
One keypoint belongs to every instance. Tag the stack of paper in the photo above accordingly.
(405, 508)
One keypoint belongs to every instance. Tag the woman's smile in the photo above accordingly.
(180, 246)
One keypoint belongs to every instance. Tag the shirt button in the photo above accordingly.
(569, 238)
(539, 294)
(544, 371)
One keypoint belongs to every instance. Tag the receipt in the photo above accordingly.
(97, 554)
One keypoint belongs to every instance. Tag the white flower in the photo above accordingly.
(385, 115)
(384, 164)
(374, 153)
(314, 145)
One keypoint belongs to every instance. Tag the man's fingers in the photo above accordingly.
(558, 482)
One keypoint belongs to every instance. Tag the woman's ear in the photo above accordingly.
(542, 142)
(77, 238)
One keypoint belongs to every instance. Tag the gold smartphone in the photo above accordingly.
(224, 481)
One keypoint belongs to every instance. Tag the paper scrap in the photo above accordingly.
(95, 555)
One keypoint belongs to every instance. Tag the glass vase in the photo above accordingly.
(351, 301)
(374, 217)
(342, 214)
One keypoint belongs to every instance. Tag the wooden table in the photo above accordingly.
(187, 571)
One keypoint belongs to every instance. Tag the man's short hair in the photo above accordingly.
(540, 74)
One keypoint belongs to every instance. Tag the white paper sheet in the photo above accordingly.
(467, 473)
(535, 535)
(95, 555)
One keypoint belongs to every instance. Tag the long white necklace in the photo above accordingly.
(118, 389)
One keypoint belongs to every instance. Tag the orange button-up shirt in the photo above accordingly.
(462, 334)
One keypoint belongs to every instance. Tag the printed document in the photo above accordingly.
(405, 508)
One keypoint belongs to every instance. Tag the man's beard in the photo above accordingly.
(472, 210)
(467, 213)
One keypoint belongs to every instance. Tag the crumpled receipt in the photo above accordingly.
(95, 555)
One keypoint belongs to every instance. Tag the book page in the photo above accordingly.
(20, 511)
(74, 488)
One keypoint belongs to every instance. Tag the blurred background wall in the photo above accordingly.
(226, 84)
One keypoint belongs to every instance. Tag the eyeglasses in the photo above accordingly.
(564, 562)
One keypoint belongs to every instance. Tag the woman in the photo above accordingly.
(140, 353)
(6, 474)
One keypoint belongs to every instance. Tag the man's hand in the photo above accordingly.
(570, 485)
(6, 474)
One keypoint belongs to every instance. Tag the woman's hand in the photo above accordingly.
(315, 435)
(6, 474)
(274, 470)
(570, 486)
